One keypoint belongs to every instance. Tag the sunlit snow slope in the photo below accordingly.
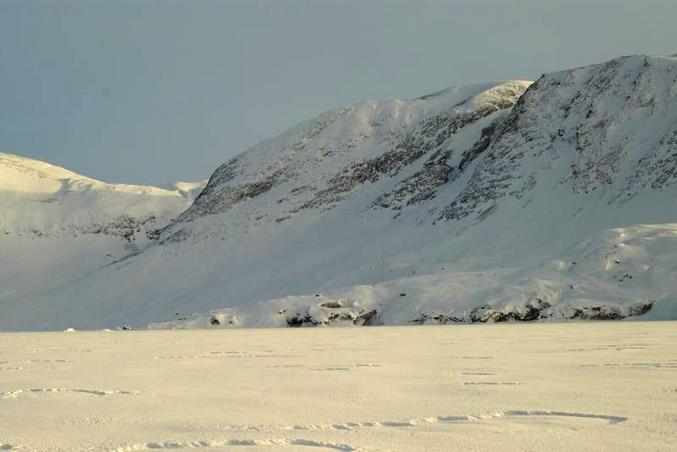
(56, 225)
(505, 201)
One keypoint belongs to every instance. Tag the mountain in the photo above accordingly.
(56, 225)
(494, 202)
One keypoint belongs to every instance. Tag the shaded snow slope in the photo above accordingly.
(474, 202)
(56, 225)
(619, 273)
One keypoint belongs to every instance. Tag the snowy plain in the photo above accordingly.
(540, 386)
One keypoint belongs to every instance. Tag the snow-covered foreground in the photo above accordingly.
(554, 386)
(493, 202)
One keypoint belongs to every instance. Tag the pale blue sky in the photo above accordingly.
(154, 91)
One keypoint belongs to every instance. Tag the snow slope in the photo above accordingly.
(56, 225)
(504, 201)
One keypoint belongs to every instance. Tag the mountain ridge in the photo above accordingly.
(28, 181)
(494, 202)
(57, 225)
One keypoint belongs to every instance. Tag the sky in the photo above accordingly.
(154, 91)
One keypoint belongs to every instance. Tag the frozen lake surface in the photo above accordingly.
(567, 386)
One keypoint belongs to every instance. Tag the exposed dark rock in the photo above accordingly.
(480, 146)
(209, 202)
(125, 227)
(422, 186)
(432, 133)
(610, 312)
(535, 310)
(368, 318)
(336, 315)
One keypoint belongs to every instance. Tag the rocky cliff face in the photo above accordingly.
(418, 143)
(609, 128)
(497, 202)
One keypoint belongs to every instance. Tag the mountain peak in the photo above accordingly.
(322, 161)
(492, 202)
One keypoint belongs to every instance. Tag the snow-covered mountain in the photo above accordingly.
(511, 200)
(56, 225)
